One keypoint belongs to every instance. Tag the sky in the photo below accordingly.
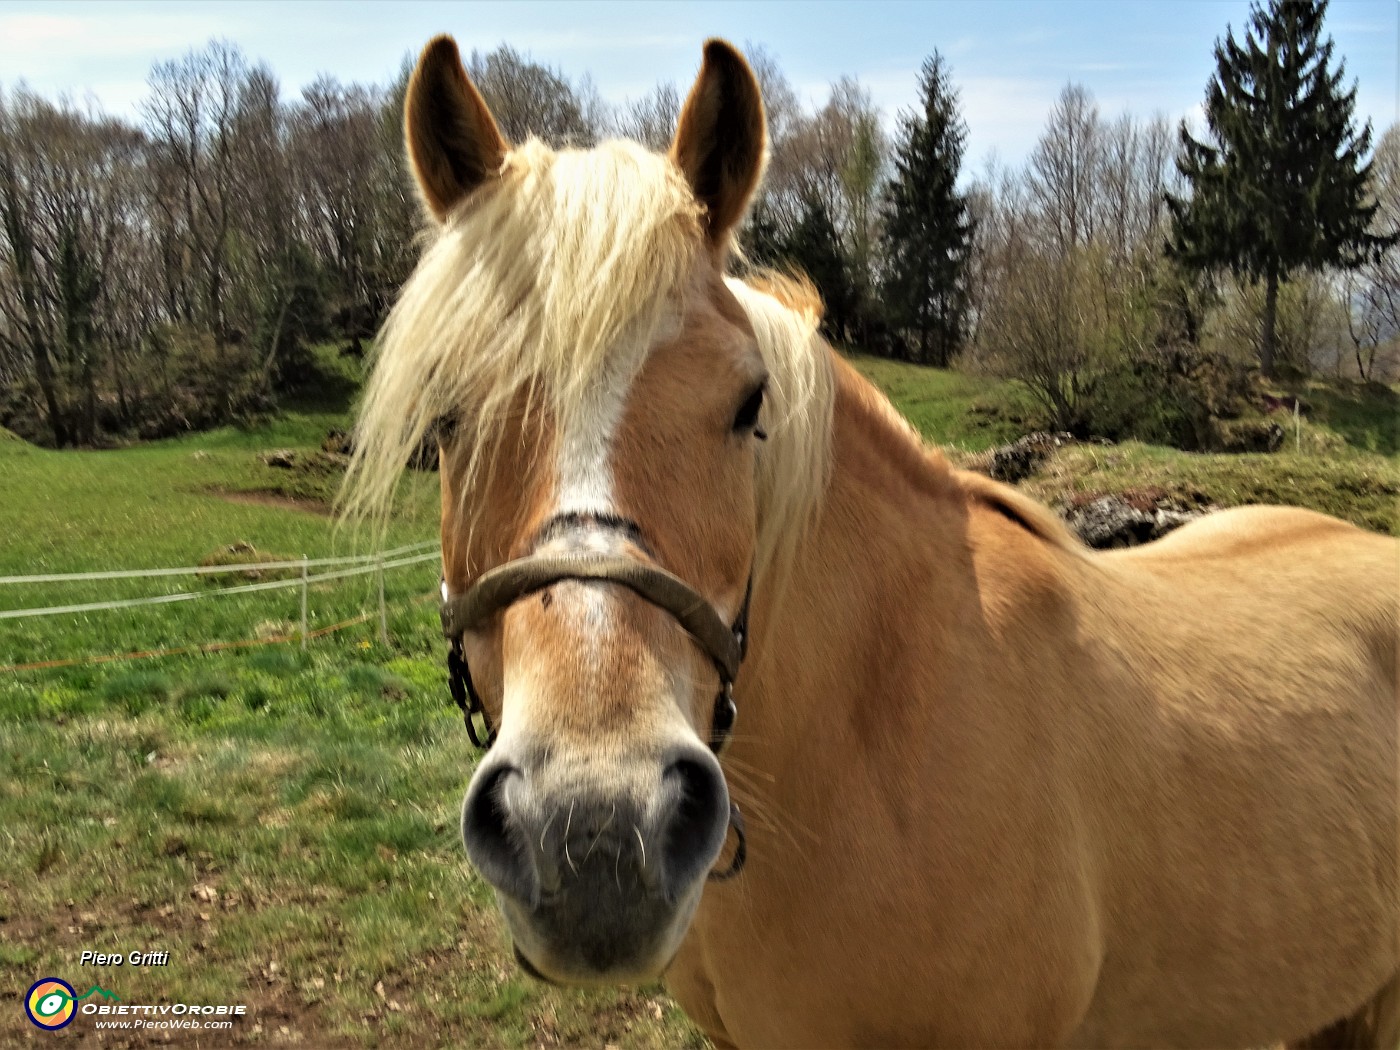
(1008, 58)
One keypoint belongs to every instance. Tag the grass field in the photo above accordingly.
(284, 822)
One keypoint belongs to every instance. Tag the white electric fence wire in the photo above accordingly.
(375, 565)
(210, 570)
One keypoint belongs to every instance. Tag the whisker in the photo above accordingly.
(567, 826)
(765, 810)
(599, 835)
(740, 766)
(545, 831)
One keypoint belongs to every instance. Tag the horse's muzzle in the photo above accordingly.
(597, 869)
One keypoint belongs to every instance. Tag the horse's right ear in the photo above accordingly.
(452, 138)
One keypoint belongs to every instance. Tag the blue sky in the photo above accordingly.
(1009, 58)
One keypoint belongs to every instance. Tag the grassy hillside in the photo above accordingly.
(957, 411)
(1343, 459)
(284, 823)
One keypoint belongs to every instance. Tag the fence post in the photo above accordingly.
(383, 616)
(305, 567)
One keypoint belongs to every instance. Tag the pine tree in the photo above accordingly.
(762, 238)
(928, 229)
(814, 248)
(1280, 184)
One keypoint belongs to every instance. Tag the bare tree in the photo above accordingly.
(1372, 291)
(269, 255)
(776, 198)
(1065, 169)
(1120, 205)
(159, 279)
(190, 120)
(651, 119)
(68, 226)
(527, 99)
(1069, 284)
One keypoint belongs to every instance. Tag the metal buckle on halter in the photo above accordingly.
(722, 722)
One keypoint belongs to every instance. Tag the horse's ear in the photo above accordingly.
(452, 138)
(721, 140)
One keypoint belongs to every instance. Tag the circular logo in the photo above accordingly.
(50, 1003)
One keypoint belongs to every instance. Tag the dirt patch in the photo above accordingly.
(277, 1014)
(275, 499)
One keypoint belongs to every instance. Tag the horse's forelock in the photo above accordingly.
(531, 293)
(529, 287)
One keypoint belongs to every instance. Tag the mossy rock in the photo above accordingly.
(1245, 435)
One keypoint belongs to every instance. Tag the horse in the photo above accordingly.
(1000, 790)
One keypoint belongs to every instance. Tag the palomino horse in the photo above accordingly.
(1002, 790)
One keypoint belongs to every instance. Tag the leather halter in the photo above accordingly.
(503, 586)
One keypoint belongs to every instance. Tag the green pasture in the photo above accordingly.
(176, 503)
(284, 822)
(1342, 458)
(955, 410)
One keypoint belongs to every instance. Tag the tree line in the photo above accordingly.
(172, 272)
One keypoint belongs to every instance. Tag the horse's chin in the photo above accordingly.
(619, 946)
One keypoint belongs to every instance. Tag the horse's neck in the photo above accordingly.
(893, 518)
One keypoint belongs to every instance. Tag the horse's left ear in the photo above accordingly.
(721, 140)
(452, 139)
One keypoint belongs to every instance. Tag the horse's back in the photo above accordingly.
(1261, 531)
(1250, 794)
(1285, 585)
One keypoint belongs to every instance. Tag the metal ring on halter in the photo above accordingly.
(741, 850)
(459, 681)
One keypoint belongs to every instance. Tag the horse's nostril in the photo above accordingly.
(495, 838)
(699, 817)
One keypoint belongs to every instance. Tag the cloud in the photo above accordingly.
(1007, 113)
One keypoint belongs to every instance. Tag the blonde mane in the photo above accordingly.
(795, 463)
(535, 287)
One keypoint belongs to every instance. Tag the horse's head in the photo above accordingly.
(600, 391)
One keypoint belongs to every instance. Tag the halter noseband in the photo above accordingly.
(506, 584)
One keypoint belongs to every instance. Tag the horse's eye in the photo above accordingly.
(747, 416)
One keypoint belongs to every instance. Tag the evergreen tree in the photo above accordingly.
(814, 247)
(762, 239)
(928, 228)
(1280, 183)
